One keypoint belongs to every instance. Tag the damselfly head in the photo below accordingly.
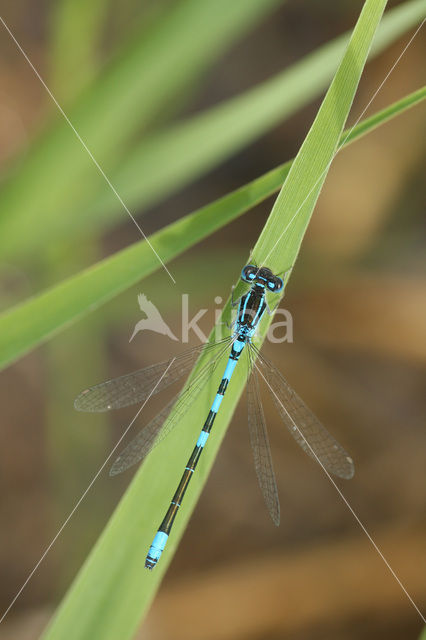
(262, 276)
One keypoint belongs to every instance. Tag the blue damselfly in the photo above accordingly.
(136, 387)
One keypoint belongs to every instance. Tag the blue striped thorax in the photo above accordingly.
(253, 304)
(250, 311)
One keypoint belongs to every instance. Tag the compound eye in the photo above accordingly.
(248, 273)
(275, 284)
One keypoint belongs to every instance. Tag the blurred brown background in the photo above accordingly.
(358, 306)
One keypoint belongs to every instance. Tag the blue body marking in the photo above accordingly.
(202, 439)
(216, 403)
(229, 369)
(157, 547)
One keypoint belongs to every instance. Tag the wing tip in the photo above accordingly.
(79, 401)
(351, 467)
(349, 472)
(91, 404)
(77, 405)
(116, 467)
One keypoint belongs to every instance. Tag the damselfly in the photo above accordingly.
(138, 386)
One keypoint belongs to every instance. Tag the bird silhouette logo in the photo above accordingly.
(153, 320)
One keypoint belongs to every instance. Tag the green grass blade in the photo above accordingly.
(166, 160)
(76, 29)
(112, 591)
(171, 158)
(27, 325)
(75, 32)
(155, 66)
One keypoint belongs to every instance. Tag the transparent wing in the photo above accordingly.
(159, 427)
(260, 445)
(142, 444)
(137, 386)
(303, 425)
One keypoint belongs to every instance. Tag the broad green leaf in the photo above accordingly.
(166, 160)
(57, 175)
(34, 321)
(113, 591)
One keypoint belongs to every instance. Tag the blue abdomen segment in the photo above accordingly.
(202, 439)
(229, 369)
(216, 403)
(156, 549)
